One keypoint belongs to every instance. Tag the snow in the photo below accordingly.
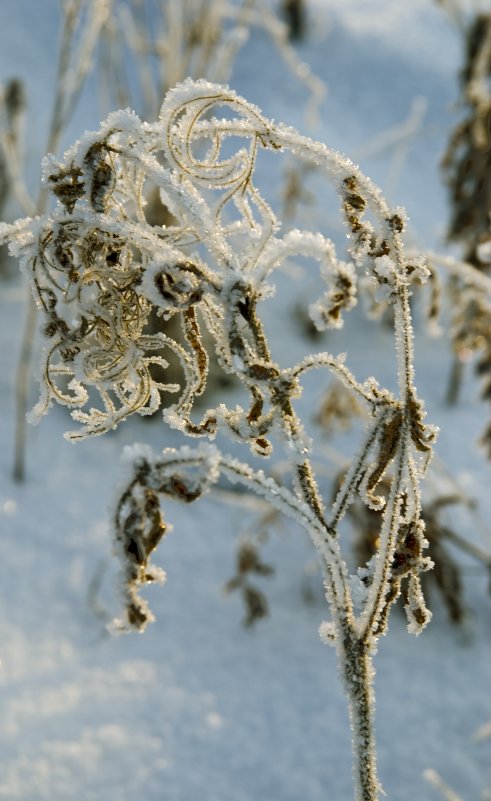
(198, 706)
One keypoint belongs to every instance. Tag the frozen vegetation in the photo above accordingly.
(267, 311)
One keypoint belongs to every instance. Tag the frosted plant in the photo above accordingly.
(156, 45)
(98, 268)
(466, 291)
(148, 47)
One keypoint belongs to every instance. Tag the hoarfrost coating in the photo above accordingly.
(98, 267)
(86, 717)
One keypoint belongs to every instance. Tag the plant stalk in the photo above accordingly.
(357, 671)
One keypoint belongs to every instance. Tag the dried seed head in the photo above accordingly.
(67, 185)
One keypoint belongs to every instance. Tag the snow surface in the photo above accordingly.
(199, 707)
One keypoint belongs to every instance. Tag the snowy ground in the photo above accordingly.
(199, 707)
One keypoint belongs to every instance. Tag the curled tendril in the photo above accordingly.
(100, 270)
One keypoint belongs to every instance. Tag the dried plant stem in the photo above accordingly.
(22, 389)
(22, 382)
(12, 164)
(358, 681)
(69, 82)
(468, 547)
(354, 657)
(454, 381)
(446, 792)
